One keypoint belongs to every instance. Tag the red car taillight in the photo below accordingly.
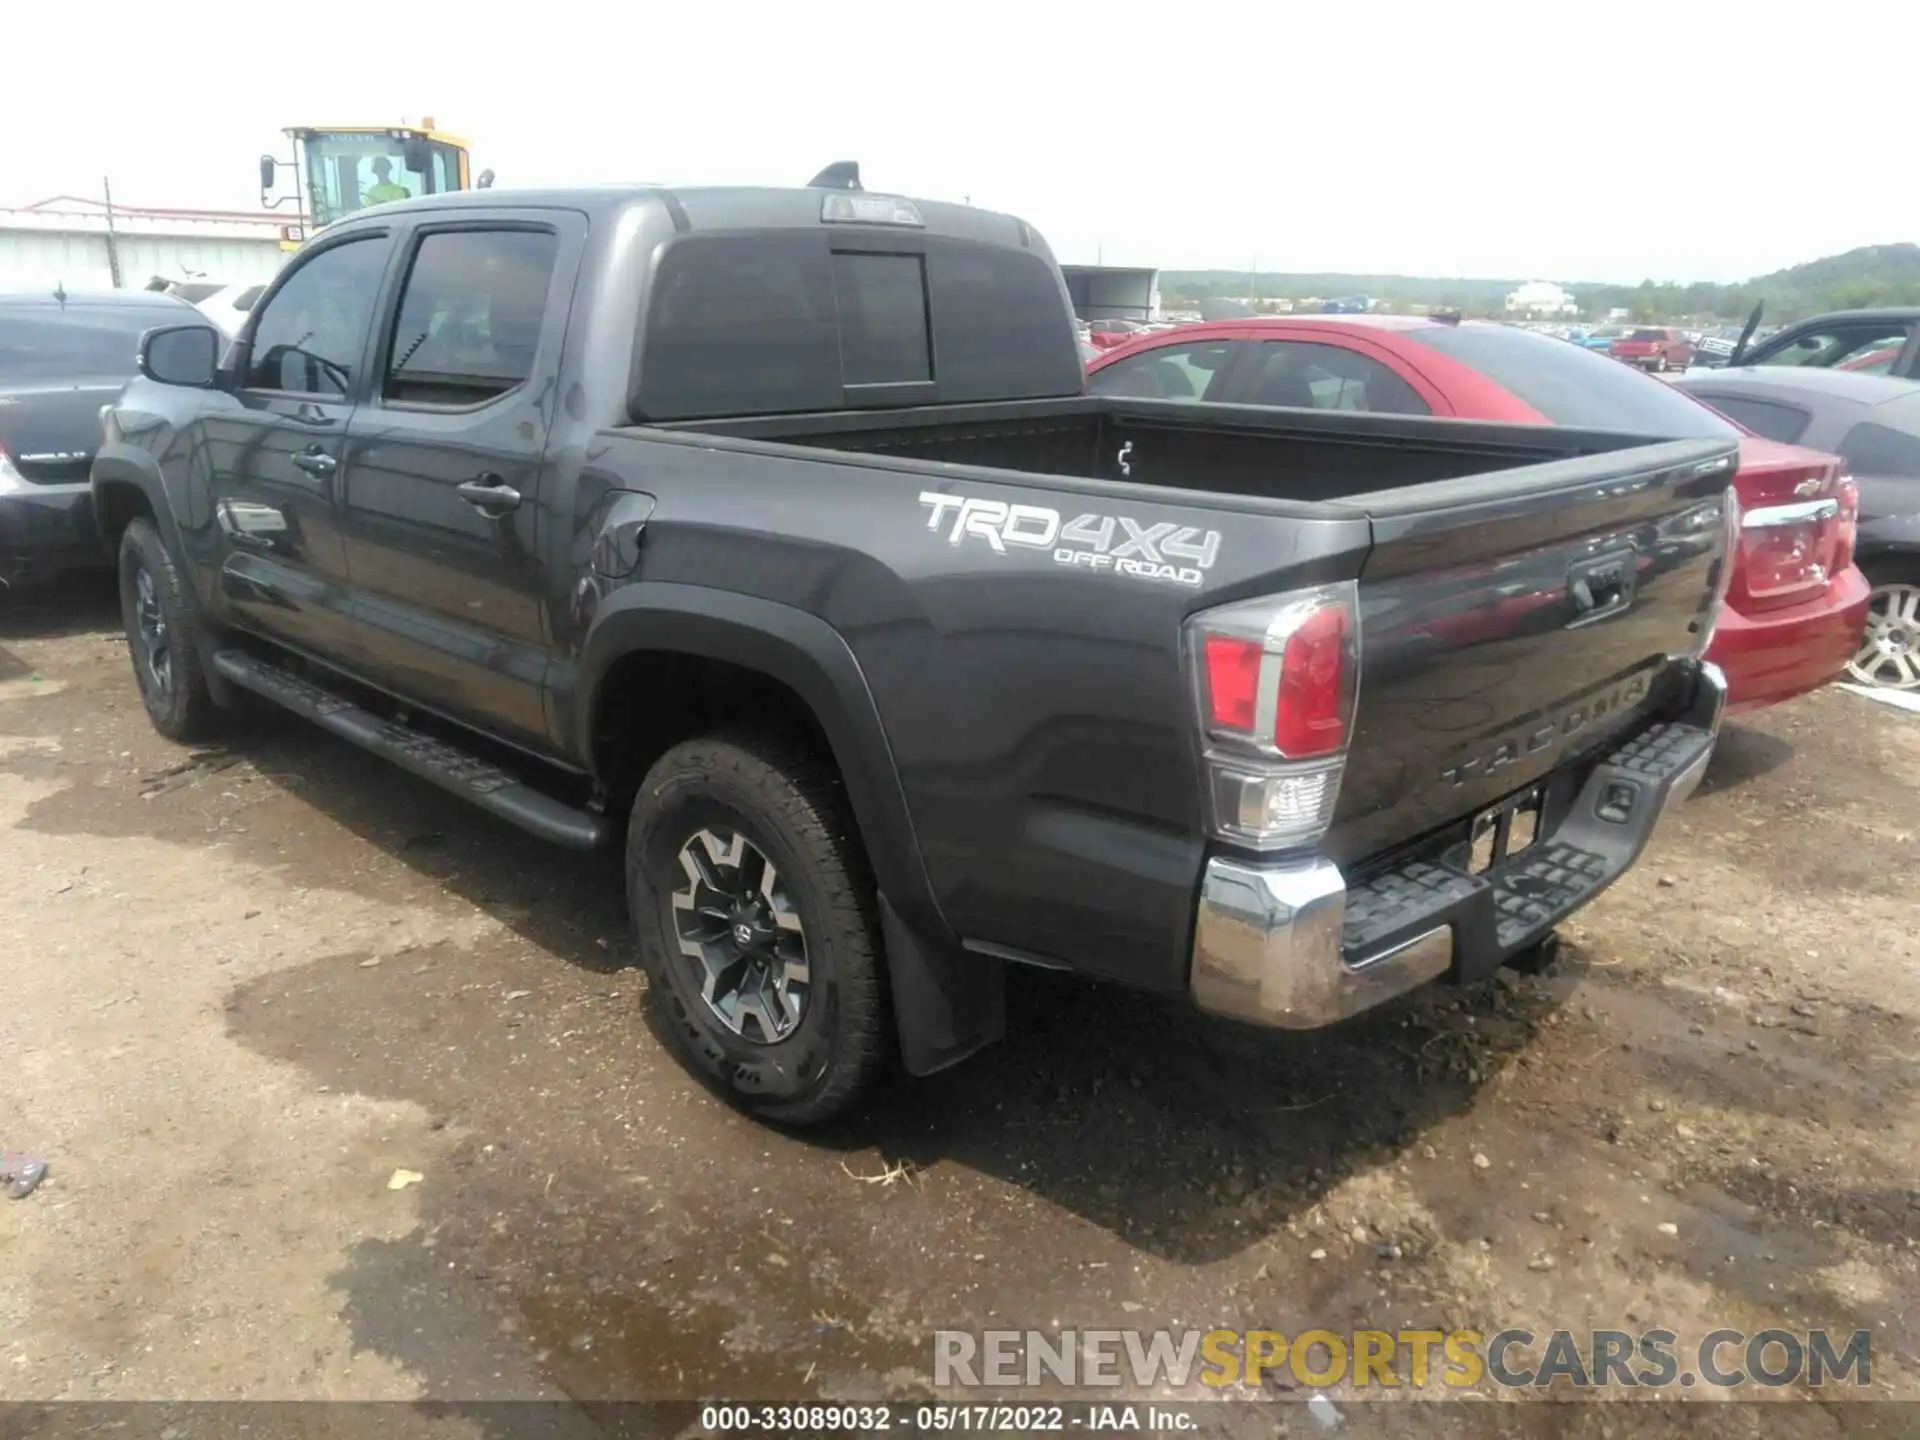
(1275, 681)
(1847, 528)
(1791, 550)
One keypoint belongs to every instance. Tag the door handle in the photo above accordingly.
(315, 462)
(489, 494)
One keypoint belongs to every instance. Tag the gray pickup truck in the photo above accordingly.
(771, 534)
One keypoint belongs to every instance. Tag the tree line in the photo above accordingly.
(1873, 275)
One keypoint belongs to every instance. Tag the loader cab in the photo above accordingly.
(342, 170)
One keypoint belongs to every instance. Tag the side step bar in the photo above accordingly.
(467, 776)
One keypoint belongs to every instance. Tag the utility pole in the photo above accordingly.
(113, 244)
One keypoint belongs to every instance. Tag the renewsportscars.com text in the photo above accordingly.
(1452, 1359)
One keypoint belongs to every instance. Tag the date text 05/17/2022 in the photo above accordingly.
(980, 1419)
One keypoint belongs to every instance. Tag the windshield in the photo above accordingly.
(348, 171)
(51, 342)
(1571, 386)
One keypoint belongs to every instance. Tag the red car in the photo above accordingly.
(1654, 347)
(1797, 603)
(1108, 334)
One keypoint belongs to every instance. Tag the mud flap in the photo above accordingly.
(947, 1002)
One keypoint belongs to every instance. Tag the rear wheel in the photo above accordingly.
(756, 923)
(160, 630)
(1889, 653)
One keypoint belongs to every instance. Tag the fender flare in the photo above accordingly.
(121, 466)
(128, 467)
(948, 1002)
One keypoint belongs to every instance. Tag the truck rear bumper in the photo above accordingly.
(1294, 945)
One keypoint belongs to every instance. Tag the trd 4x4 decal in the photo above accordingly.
(1163, 551)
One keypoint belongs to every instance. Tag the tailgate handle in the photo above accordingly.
(1601, 587)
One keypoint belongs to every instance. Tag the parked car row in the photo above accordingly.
(1873, 424)
(1798, 604)
(62, 357)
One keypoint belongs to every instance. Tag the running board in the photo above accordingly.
(467, 776)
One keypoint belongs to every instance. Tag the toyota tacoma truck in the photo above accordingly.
(770, 534)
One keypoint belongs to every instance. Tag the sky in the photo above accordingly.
(1562, 140)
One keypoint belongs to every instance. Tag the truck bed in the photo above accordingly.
(1234, 450)
(1481, 673)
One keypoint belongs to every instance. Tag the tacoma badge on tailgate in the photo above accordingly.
(1551, 731)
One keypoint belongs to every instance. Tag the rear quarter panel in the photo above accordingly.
(1037, 710)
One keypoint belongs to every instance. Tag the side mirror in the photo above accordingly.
(413, 155)
(268, 169)
(181, 355)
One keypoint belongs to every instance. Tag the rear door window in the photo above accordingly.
(1169, 372)
(1310, 376)
(470, 316)
(1833, 346)
(1785, 423)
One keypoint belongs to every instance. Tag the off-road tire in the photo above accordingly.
(183, 708)
(790, 804)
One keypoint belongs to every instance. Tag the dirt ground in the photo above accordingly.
(240, 988)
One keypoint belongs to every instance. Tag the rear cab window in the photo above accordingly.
(790, 321)
(1574, 386)
(883, 318)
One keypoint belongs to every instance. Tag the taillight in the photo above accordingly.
(1729, 557)
(1847, 527)
(1275, 681)
(1785, 549)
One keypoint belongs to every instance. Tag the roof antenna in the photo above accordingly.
(60, 292)
(841, 175)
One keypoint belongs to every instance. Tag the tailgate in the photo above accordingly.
(1513, 622)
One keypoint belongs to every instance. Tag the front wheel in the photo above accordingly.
(1889, 653)
(756, 923)
(160, 635)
